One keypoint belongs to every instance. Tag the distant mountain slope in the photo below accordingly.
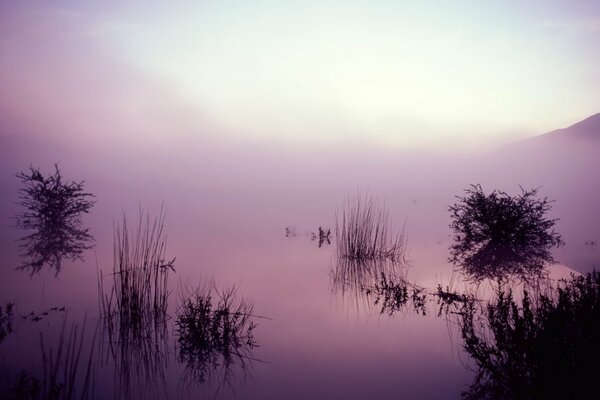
(565, 165)
(588, 129)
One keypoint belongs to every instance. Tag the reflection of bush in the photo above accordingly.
(215, 330)
(544, 346)
(498, 235)
(53, 211)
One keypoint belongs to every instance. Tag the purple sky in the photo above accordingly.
(445, 75)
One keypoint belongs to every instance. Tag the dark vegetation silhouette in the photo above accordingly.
(497, 235)
(215, 330)
(134, 309)
(53, 212)
(6, 320)
(542, 344)
(66, 373)
(367, 248)
(364, 232)
(371, 263)
(323, 236)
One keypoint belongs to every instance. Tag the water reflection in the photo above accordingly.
(139, 355)
(6, 320)
(370, 258)
(66, 370)
(543, 344)
(323, 236)
(53, 211)
(215, 329)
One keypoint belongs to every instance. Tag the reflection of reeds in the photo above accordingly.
(65, 373)
(367, 248)
(364, 232)
(6, 318)
(134, 311)
(140, 357)
(215, 334)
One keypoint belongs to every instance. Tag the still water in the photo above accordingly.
(244, 218)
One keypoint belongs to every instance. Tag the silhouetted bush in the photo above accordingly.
(543, 346)
(496, 235)
(215, 331)
(53, 211)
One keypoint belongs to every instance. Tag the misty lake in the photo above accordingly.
(256, 227)
(299, 200)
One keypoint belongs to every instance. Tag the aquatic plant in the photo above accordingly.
(140, 274)
(134, 309)
(542, 346)
(364, 232)
(215, 330)
(323, 236)
(53, 211)
(497, 235)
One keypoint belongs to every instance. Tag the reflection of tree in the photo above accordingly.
(498, 235)
(53, 211)
(215, 331)
(542, 346)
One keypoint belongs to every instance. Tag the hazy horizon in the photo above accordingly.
(441, 78)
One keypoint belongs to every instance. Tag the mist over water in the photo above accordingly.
(247, 211)
(227, 208)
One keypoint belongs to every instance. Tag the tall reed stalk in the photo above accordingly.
(364, 232)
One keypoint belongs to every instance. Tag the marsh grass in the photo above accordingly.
(215, 329)
(367, 248)
(364, 232)
(134, 309)
(140, 273)
(542, 343)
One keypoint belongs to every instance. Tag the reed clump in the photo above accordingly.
(134, 308)
(364, 232)
(139, 291)
(215, 329)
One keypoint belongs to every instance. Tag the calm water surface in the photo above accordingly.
(227, 213)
